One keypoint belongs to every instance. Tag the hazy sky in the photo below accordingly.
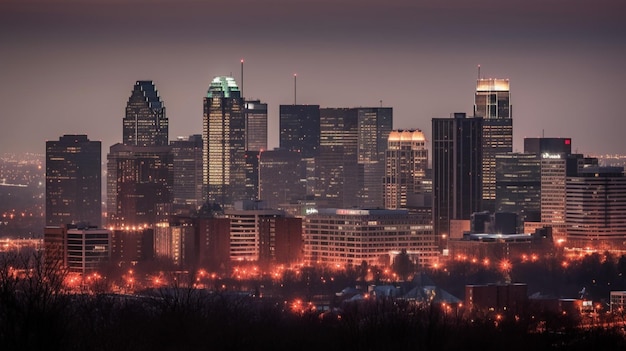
(68, 67)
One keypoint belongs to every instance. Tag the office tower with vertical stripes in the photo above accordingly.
(224, 136)
(493, 103)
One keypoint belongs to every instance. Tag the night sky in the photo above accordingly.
(68, 67)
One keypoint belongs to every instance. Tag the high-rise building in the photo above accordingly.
(187, 168)
(138, 179)
(282, 177)
(374, 126)
(336, 168)
(139, 170)
(73, 185)
(493, 103)
(406, 162)
(300, 129)
(596, 208)
(256, 125)
(145, 123)
(224, 134)
(541, 146)
(518, 185)
(457, 171)
(557, 163)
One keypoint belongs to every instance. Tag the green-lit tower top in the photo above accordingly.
(225, 87)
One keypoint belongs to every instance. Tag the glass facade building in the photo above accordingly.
(73, 181)
(457, 171)
(406, 162)
(224, 136)
(493, 103)
(145, 123)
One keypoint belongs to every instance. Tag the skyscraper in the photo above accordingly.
(493, 103)
(374, 126)
(518, 185)
(145, 123)
(73, 185)
(138, 179)
(282, 177)
(406, 161)
(139, 170)
(187, 157)
(300, 129)
(457, 171)
(224, 134)
(336, 167)
(596, 208)
(256, 125)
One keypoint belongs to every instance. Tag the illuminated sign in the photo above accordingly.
(353, 212)
(309, 211)
(552, 156)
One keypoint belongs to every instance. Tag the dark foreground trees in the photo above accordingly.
(36, 314)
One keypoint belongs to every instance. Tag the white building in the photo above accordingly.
(349, 236)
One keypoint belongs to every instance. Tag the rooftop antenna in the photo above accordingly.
(241, 89)
(294, 88)
(478, 72)
(381, 103)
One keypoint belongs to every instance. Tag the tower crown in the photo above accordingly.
(222, 86)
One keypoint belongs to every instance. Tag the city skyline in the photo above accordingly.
(76, 62)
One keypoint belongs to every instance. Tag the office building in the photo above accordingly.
(374, 126)
(518, 186)
(493, 103)
(253, 232)
(87, 248)
(132, 245)
(213, 242)
(138, 179)
(73, 181)
(596, 208)
(457, 171)
(256, 125)
(300, 129)
(336, 167)
(187, 188)
(145, 122)
(282, 178)
(347, 237)
(224, 137)
(406, 162)
(548, 145)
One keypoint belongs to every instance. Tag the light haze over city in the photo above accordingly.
(68, 67)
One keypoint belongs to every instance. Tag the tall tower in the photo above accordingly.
(493, 103)
(224, 134)
(139, 170)
(374, 126)
(457, 171)
(138, 179)
(73, 186)
(406, 161)
(336, 168)
(145, 123)
(256, 125)
(300, 129)
(187, 157)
